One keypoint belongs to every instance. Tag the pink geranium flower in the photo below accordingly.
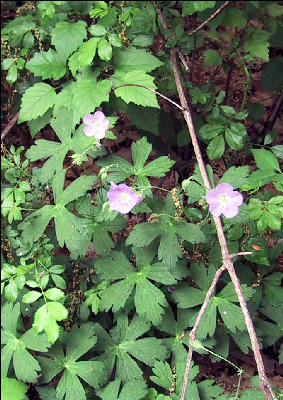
(122, 198)
(224, 200)
(96, 125)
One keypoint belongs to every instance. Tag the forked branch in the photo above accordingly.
(227, 259)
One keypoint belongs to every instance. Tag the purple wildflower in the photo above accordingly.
(122, 198)
(224, 200)
(96, 125)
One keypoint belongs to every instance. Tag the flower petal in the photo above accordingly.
(89, 131)
(88, 119)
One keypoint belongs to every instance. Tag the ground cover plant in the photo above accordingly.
(141, 200)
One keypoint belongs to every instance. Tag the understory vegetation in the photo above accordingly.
(141, 200)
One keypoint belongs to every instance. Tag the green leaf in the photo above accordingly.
(97, 30)
(143, 40)
(67, 36)
(54, 294)
(34, 225)
(143, 234)
(88, 95)
(265, 159)
(256, 43)
(45, 319)
(12, 75)
(169, 249)
(256, 111)
(134, 390)
(25, 365)
(47, 64)
(231, 314)
(12, 389)
(64, 356)
(31, 296)
(11, 290)
(36, 101)
(187, 297)
(158, 167)
(140, 152)
(148, 349)
(196, 6)
(76, 189)
(39, 123)
(135, 59)
(7, 63)
(190, 232)
(84, 55)
(236, 176)
(210, 131)
(135, 94)
(104, 50)
(271, 77)
(149, 301)
(234, 18)
(216, 148)
(211, 57)
(163, 375)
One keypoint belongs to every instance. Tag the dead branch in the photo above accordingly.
(10, 125)
(210, 18)
(265, 385)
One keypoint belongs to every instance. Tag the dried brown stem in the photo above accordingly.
(210, 18)
(10, 126)
(265, 385)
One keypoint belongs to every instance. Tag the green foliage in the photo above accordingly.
(78, 342)
(15, 346)
(97, 304)
(13, 389)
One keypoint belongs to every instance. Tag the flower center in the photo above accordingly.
(96, 124)
(224, 198)
(124, 196)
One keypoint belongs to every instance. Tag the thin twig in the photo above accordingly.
(10, 126)
(210, 18)
(148, 88)
(271, 121)
(196, 325)
(265, 385)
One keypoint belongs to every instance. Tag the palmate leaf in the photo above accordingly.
(25, 365)
(231, 313)
(124, 342)
(57, 152)
(121, 169)
(134, 390)
(70, 229)
(171, 231)
(76, 344)
(149, 299)
(12, 389)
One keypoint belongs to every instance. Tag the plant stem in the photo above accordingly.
(227, 263)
